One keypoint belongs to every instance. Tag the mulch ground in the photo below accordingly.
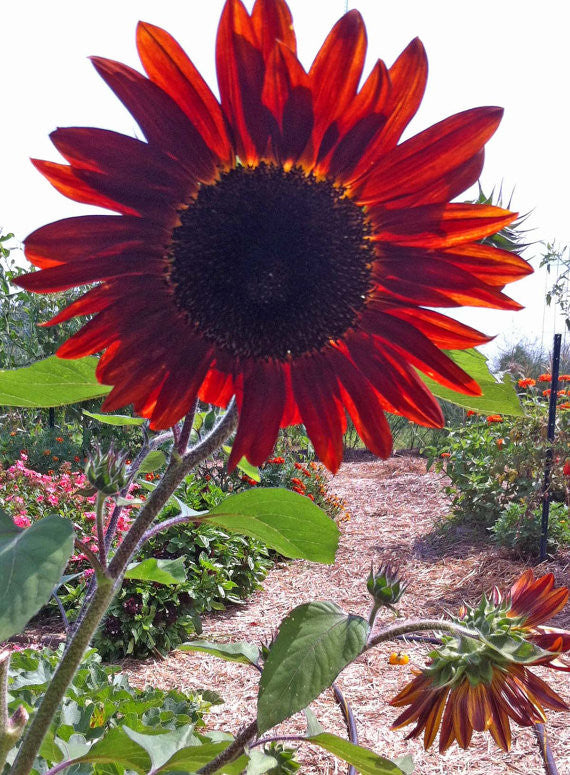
(394, 507)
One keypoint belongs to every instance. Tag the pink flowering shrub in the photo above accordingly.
(27, 495)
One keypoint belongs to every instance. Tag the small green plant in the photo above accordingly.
(519, 528)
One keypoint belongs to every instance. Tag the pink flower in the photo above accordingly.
(22, 521)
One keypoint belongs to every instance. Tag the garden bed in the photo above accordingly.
(394, 506)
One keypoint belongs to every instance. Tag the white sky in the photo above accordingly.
(512, 53)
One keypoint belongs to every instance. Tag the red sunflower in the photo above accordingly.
(279, 245)
(482, 685)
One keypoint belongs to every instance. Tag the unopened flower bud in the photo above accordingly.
(106, 471)
(385, 586)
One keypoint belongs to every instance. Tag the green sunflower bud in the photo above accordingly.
(385, 586)
(107, 471)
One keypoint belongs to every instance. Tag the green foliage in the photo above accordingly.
(146, 617)
(519, 528)
(31, 564)
(23, 340)
(315, 642)
(556, 259)
(99, 700)
(495, 461)
(45, 448)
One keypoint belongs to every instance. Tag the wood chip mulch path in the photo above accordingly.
(394, 507)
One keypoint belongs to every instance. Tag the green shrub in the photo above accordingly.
(519, 528)
(495, 461)
(98, 699)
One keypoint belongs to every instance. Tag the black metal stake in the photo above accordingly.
(550, 439)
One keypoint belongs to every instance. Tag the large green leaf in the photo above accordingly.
(115, 419)
(497, 398)
(315, 642)
(51, 382)
(366, 762)
(31, 564)
(246, 653)
(285, 521)
(167, 572)
(117, 747)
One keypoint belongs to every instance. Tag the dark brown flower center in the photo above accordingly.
(271, 264)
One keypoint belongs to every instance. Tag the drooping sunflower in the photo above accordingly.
(482, 684)
(280, 244)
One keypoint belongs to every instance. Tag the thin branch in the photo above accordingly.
(233, 751)
(63, 615)
(545, 750)
(99, 522)
(172, 522)
(349, 720)
(182, 444)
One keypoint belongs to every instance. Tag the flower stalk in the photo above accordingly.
(108, 585)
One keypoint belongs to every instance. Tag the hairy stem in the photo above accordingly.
(233, 751)
(418, 625)
(545, 750)
(108, 585)
(349, 720)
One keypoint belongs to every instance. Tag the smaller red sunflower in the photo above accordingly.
(482, 684)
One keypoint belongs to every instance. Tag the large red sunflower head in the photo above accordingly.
(280, 244)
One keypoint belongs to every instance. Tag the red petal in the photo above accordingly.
(430, 156)
(339, 61)
(438, 226)
(444, 332)
(260, 413)
(318, 399)
(91, 270)
(416, 276)
(408, 76)
(492, 265)
(287, 95)
(168, 66)
(91, 235)
(71, 185)
(240, 67)
(396, 381)
(363, 405)
(162, 121)
(418, 350)
(272, 21)
(180, 389)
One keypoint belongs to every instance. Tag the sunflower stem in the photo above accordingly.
(100, 519)
(234, 749)
(545, 750)
(108, 585)
(419, 625)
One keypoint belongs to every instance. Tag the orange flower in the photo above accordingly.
(546, 392)
(494, 418)
(565, 405)
(281, 244)
(397, 658)
(59, 439)
(297, 482)
(472, 685)
(545, 378)
(566, 467)
(564, 378)
(471, 413)
(500, 443)
(446, 454)
(525, 383)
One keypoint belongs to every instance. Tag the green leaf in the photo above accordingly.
(152, 462)
(285, 521)
(245, 466)
(191, 758)
(32, 562)
(51, 382)
(315, 642)
(166, 572)
(246, 653)
(497, 398)
(405, 763)
(260, 762)
(365, 761)
(164, 746)
(115, 419)
(117, 746)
